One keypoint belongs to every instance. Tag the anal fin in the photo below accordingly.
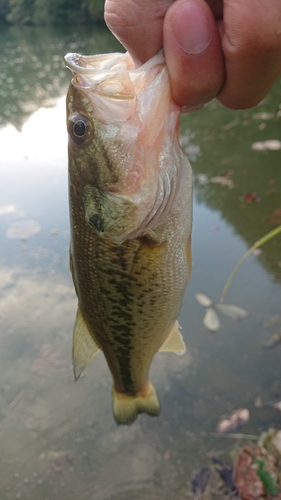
(84, 347)
(174, 342)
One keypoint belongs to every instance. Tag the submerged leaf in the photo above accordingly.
(272, 341)
(232, 311)
(225, 471)
(271, 437)
(276, 441)
(266, 476)
(247, 481)
(258, 146)
(263, 116)
(211, 320)
(203, 299)
(277, 406)
(223, 181)
(272, 144)
(250, 197)
(200, 479)
(234, 421)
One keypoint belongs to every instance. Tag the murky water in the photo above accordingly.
(58, 438)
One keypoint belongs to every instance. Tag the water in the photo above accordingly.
(58, 438)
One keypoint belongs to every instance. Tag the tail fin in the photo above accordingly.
(126, 408)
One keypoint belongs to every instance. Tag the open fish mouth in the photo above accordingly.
(102, 74)
(110, 75)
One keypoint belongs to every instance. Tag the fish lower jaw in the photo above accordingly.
(127, 407)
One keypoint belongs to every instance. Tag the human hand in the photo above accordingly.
(229, 49)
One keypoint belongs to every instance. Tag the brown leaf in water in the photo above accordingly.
(256, 472)
(275, 217)
(247, 481)
(250, 197)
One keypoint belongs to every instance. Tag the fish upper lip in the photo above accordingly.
(112, 62)
(96, 63)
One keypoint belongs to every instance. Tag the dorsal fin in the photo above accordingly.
(84, 347)
(174, 342)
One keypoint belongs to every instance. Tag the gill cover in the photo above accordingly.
(123, 129)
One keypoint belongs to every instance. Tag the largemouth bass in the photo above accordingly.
(130, 192)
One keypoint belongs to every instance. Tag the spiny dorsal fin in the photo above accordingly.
(84, 347)
(174, 342)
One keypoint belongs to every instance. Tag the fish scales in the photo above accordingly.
(129, 281)
(119, 287)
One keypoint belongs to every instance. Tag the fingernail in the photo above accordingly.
(191, 28)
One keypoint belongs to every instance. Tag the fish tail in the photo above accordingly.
(126, 408)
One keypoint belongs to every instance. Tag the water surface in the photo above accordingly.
(58, 438)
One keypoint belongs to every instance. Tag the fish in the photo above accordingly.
(130, 198)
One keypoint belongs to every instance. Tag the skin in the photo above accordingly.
(228, 49)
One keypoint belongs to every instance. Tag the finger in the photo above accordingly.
(192, 47)
(251, 41)
(138, 25)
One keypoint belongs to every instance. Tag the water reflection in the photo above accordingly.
(32, 67)
(226, 141)
(43, 136)
(47, 431)
(57, 438)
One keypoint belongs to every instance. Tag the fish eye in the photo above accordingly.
(78, 128)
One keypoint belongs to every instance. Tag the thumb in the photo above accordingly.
(192, 46)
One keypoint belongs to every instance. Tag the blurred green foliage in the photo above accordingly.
(50, 12)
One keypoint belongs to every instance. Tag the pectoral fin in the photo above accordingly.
(174, 342)
(84, 347)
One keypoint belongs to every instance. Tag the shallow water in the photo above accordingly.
(58, 438)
